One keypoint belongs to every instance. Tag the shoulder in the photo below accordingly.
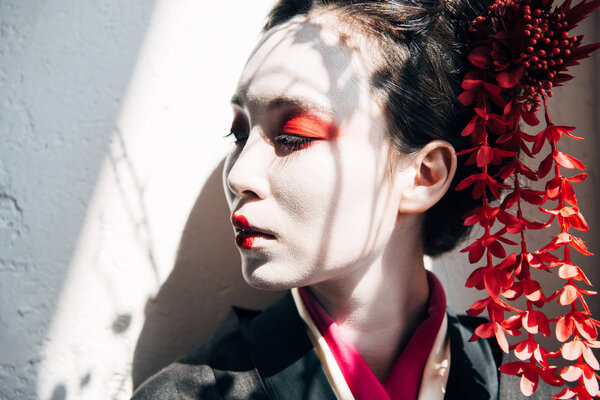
(465, 326)
(216, 370)
(253, 354)
(180, 381)
(473, 365)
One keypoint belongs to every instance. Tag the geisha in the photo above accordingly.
(347, 125)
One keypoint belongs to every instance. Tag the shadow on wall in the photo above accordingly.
(205, 281)
(65, 70)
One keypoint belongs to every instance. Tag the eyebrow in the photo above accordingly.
(236, 101)
(283, 101)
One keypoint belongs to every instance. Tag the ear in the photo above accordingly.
(433, 168)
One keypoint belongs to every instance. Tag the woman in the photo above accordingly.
(343, 174)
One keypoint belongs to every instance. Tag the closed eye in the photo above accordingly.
(293, 142)
(239, 136)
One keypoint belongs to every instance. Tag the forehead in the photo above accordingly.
(308, 62)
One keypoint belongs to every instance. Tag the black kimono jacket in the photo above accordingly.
(268, 355)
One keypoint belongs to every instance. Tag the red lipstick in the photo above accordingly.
(245, 233)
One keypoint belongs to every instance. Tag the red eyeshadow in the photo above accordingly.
(310, 126)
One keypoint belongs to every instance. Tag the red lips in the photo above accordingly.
(245, 233)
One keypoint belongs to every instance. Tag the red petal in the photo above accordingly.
(491, 283)
(485, 331)
(497, 249)
(513, 292)
(571, 373)
(530, 118)
(540, 139)
(578, 222)
(530, 322)
(532, 290)
(578, 245)
(512, 368)
(532, 196)
(590, 359)
(545, 166)
(525, 170)
(568, 271)
(508, 79)
(549, 376)
(472, 219)
(513, 322)
(470, 128)
(510, 199)
(591, 385)
(466, 98)
(501, 339)
(476, 253)
(553, 188)
(578, 13)
(572, 350)
(564, 328)
(494, 90)
(524, 350)
(466, 182)
(479, 57)
(558, 130)
(578, 178)
(565, 394)
(475, 278)
(568, 161)
(568, 295)
(484, 155)
(529, 382)
(569, 193)
(469, 83)
(478, 307)
(587, 329)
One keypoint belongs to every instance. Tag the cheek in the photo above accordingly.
(366, 211)
(337, 196)
(305, 183)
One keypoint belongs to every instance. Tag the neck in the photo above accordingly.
(379, 306)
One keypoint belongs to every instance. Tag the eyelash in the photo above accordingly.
(239, 137)
(291, 142)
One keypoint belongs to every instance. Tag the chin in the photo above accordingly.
(271, 276)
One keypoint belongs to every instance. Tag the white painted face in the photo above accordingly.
(308, 177)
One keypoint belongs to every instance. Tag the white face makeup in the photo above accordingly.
(308, 180)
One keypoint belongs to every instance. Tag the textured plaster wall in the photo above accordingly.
(112, 115)
(115, 251)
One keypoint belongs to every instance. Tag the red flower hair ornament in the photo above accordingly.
(519, 51)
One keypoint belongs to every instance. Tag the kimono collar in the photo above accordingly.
(411, 366)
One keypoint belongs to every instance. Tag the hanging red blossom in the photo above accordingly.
(521, 50)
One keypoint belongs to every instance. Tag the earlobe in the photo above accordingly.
(433, 169)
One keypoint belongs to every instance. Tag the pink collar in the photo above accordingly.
(404, 378)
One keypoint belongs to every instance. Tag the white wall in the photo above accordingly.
(112, 116)
(111, 122)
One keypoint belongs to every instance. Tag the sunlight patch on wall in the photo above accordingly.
(169, 138)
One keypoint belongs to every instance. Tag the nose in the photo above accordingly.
(245, 173)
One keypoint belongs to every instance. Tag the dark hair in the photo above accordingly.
(423, 45)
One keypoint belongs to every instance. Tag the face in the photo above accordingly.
(308, 180)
